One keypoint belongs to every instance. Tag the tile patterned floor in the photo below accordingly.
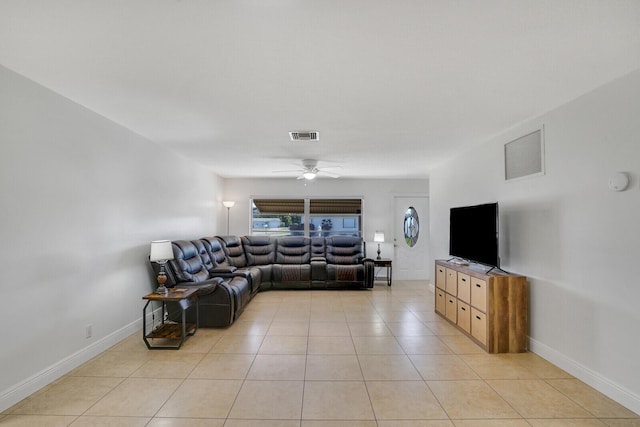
(316, 359)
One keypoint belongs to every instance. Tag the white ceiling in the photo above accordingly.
(393, 87)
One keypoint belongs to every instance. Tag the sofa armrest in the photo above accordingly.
(318, 269)
(222, 270)
(204, 288)
(369, 272)
(227, 273)
(217, 308)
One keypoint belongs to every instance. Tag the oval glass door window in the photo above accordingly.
(411, 226)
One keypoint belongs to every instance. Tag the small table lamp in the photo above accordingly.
(378, 237)
(161, 252)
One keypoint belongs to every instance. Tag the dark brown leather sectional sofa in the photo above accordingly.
(230, 270)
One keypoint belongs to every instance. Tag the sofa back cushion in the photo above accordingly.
(259, 250)
(293, 250)
(344, 250)
(205, 257)
(187, 264)
(317, 247)
(216, 252)
(233, 250)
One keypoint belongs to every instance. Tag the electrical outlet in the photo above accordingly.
(88, 331)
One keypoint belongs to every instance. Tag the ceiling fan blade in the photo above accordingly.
(329, 174)
(287, 171)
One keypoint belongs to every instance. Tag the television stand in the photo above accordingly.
(490, 307)
(458, 261)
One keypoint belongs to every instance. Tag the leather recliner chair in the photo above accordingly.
(218, 306)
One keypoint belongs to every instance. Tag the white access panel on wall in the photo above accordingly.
(524, 156)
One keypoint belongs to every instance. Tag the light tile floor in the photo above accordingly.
(321, 358)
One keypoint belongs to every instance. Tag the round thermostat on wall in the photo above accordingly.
(619, 181)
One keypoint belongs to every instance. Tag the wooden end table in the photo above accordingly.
(384, 262)
(168, 331)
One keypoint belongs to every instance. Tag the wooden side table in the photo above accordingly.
(384, 262)
(169, 331)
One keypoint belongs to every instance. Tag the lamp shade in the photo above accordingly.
(161, 251)
(378, 236)
(228, 203)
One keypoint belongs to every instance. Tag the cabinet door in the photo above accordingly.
(464, 317)
(451, 308)
(464, 287)
(479, 326)
(441, 301)
(479, 294)
(441, 277)
(452, 282)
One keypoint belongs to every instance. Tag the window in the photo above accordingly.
(277, 217)
(307, 217)
(335, 217)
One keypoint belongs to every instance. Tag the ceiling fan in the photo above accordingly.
(310, 170)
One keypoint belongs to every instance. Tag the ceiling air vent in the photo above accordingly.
(304, 135)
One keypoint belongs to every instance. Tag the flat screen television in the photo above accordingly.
(473, 233)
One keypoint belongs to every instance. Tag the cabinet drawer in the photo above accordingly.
(451, 308)
(464, 317)
(441, 301)
(441, 277)
(451, 282)
(479, 294)
(479, 325)
(464, 287)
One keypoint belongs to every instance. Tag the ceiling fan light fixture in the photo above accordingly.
(309, 175)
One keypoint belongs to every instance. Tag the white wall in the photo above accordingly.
(378, 204)
(575, 239)
(81, 199)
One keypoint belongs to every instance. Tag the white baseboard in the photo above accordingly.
(605, 386)
(20, 391)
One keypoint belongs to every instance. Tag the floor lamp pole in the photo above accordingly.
(228, 204)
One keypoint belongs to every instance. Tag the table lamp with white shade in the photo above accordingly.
(161, 252)
(378, 237)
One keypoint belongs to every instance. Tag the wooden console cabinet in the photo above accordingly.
(491, 308)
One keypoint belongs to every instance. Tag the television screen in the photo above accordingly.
(473, 233)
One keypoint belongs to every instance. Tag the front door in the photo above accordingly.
(410, 262)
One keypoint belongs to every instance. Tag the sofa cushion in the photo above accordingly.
(317, 247)
(233, 250)
(223, 268)
(216, 252)
(345, 250)
(349, 274)
(260, 250)
(205, 255)
(293, 250)
(187, 264)
(292, 275)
